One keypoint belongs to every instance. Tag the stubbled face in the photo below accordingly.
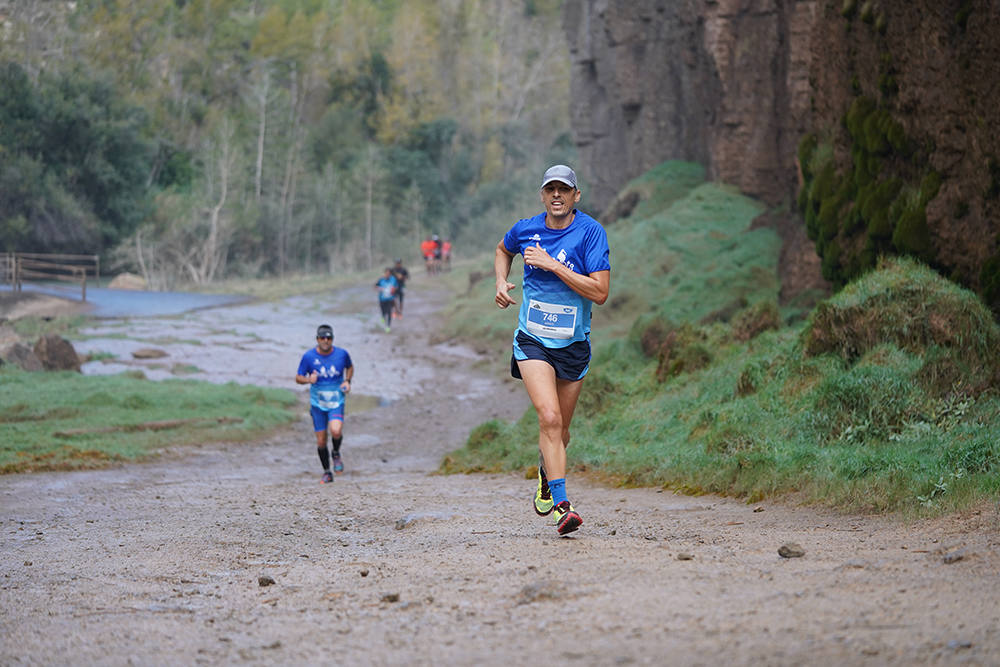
(324, 345)
(559, 199)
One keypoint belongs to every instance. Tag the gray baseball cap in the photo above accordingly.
(324, 330)
(561, 173)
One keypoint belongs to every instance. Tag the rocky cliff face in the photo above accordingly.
(737, 85)
(928, 72)
(724, 83)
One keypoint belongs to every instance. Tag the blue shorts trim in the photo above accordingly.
(321, 418)
(570, 363)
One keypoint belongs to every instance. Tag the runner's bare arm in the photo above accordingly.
(501, 266)
(307, 379)
(594, 286)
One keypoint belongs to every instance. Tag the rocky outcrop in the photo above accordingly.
(130, 281)
(737, 84)
(931, 69)
(724, 83)
(57, 354)
(20, 355)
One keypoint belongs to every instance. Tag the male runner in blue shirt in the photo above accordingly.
(328, 371)
(566, 270)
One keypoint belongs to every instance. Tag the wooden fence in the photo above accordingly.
(16, 268)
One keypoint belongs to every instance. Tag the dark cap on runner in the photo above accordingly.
(324, 330)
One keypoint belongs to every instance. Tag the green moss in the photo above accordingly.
(962, 15)
(868, 11)
(910, 306)
(989, 282)
(849, 9)
(881, 23)
(860, 109)
(807, 148)
(993, 169)
(825, 183)
(875, 207)
(830, 217)
(875, 141)
(912, 236)
(888, 84)
(896, 136)
(830, 265)
(930, 184)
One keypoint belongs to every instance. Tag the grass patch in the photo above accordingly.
(33, 327)
(883, 399)
(64, 420)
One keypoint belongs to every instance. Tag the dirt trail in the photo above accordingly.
(161, 563)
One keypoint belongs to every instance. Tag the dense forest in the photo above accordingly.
(194, 140)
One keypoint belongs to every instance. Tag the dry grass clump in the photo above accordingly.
(908, 305)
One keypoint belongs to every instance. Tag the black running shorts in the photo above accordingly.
(570, 362)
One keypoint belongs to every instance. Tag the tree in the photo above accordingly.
(76, 160)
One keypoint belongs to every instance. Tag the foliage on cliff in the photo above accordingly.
(902, 156)
(874, 207)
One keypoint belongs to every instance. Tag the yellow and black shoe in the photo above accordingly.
(543, 499)
(567, 520)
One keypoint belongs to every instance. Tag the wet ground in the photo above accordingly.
(225, 554)
(105, 302)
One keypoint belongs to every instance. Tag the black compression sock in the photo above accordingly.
(324, 457)
(336, 445)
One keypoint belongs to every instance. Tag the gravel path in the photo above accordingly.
(226, 554)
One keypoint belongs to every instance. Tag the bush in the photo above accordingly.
(908, 305)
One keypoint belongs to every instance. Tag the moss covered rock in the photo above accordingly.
(906, 304)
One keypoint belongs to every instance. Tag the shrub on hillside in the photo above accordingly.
(755, 320)
(908, 305)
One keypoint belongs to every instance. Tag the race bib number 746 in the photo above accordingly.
(551, 320)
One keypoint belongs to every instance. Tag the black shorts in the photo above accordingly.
(570, 362)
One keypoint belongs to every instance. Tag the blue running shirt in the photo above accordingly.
(326, 393)
(550, 311)
(385, 288)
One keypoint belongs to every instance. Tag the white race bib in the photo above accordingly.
(551, 320)
(329, 399)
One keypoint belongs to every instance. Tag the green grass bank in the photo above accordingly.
(882, 398)
(64, 420)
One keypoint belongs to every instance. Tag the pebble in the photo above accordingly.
(791, 550)
(954, 556)
(264, 580)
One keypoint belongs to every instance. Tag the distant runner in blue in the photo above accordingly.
(387, 286)
(566, 270)
(328, 371)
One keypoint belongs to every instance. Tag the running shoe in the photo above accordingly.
(327, 477)
(567, 520)
(338, 464)
(543, 498)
